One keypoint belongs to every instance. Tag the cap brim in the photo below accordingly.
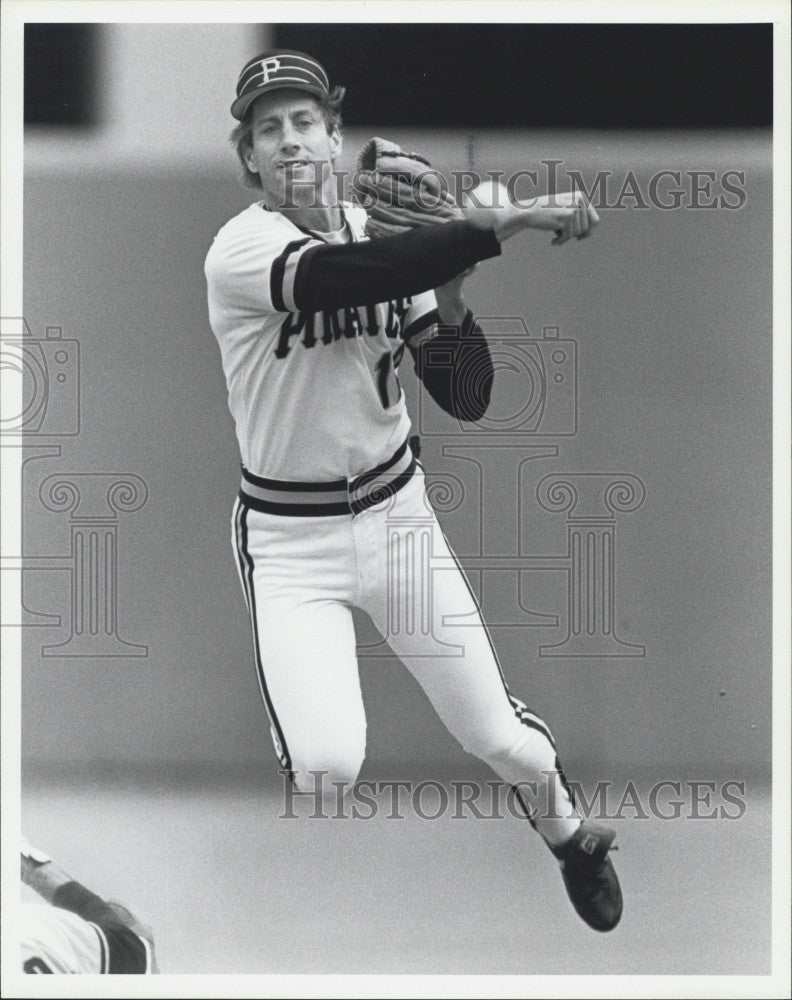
(241, 104)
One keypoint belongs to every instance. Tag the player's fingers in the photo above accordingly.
(578, 211)
(586, 226)
(564, 219)
(592, 219)
(582, 206)
(583, 220)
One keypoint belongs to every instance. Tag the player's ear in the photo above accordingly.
(336, 144)
(250, 158)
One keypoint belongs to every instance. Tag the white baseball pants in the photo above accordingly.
(302, 574)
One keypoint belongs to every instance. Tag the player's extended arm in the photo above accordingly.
(124, 933)
(333, 276)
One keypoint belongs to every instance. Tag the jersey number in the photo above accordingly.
(387, 379)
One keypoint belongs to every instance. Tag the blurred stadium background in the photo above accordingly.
(162, 765)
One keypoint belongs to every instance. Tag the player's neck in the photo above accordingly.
(326, 218)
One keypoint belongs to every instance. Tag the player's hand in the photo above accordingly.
(566, 214)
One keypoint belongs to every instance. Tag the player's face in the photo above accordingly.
(291, 150)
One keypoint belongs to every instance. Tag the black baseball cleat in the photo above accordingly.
(589, 875)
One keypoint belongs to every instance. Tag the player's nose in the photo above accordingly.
(290, 140)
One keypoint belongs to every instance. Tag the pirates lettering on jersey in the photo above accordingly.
(350, 322)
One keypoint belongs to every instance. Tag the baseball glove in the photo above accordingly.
(400, 191)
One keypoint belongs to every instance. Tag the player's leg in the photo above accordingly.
(408, 565)
(296, 575)
(447, 648)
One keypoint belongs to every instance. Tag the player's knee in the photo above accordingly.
(330, 775)
(528, 747)
(489, 736)
(486, 746)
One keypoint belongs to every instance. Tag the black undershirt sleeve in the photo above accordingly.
(356, 274)
(128, 954)
(455, 366)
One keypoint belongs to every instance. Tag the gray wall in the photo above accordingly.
(671, 311)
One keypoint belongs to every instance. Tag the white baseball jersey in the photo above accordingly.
(55, 940)
(314, 396)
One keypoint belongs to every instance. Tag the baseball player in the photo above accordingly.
(79, 932)
(312, 320)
